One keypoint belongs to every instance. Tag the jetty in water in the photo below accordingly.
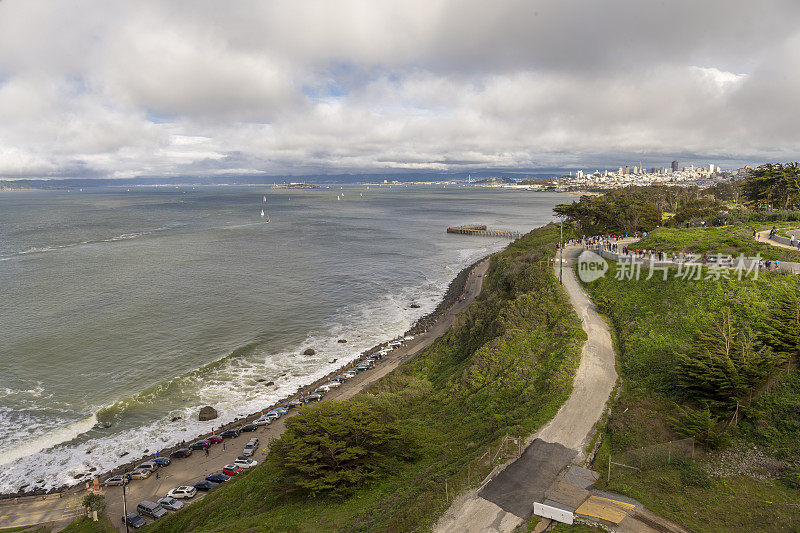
(481, 231)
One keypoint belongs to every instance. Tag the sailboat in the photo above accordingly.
(264, 202)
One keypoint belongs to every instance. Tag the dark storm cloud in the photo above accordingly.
(357, 85)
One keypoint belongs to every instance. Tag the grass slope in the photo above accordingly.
(654, 321)
(505, 367)
(734, 239)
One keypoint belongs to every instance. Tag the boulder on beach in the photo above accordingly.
(207, 413)
(342, 341)
(310, 351)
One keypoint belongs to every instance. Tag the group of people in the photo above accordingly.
(793, 241)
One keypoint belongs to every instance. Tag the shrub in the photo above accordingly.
(334, 447)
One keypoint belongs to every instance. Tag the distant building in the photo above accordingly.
(674, 166)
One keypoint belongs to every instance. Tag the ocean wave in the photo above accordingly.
(235, 384)
(56, 247)
(44, 442)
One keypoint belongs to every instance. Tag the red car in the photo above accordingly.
(231, 470)
(214, 439)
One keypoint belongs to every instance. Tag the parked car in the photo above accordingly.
(139, 474)
(115, 480)
(218, 477)
(250, 447)
(297, 402)
(230, 434)
(323, 389)
(311, 398)
(248, 427)
(281, 410)
(214, 439)
(332, 384)
(263, 421)
(272, 415)
(151, 509)
(204, 485)
(170, 503)
(134, 520)
(244, 462)
(231, 470)
(199, 445)
(182, 492)
(181, 452)
(148, 465)
(162, 461)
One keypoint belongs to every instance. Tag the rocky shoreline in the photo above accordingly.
(453, 294)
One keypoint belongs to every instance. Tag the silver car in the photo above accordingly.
(170, 503)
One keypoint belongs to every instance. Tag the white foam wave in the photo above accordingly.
(56, 247)
(60, 435)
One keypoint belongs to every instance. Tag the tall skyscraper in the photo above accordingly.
(674, 166)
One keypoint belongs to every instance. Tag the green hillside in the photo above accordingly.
(693, 351)
(504, 368)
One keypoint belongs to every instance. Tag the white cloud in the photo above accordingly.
(205, 87)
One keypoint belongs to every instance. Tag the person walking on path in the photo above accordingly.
(206, 452)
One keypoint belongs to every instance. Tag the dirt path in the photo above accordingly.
(571, 428)
(35, 510)
(763, 236)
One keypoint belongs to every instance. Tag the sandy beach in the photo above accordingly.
(32, 509)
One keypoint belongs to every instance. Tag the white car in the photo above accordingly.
(333, 384)
(184, 491)
(323, 388)
(244, 462)
(263, 421)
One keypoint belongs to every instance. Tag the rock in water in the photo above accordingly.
(342, 341)
(310, 351)
(415, 305)
(207, 413)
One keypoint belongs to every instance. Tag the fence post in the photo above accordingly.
(641, 460)
(692, 447)
(446, 496)
(669, 452)
(609, 469)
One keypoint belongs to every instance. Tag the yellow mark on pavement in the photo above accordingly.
(613, 511)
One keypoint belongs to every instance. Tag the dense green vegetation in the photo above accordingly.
(774, 185)
(768, 194)
(707, 359)
(336, 447)
(505, 367)
(733, 240)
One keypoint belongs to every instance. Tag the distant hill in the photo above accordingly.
(496, 180)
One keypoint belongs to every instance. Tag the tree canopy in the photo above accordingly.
(774, 184)
(334, 447)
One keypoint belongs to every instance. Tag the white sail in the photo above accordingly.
(262, 213)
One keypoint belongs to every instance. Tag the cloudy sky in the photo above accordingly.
(119, 89)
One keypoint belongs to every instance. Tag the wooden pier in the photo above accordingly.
(481, 231)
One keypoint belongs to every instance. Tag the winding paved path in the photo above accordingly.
(571, 428)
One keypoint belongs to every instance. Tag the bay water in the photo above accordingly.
(123, 311)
